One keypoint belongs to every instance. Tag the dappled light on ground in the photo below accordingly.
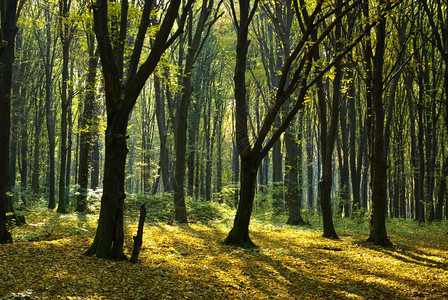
(189, 261)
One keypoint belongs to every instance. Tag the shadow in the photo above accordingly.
(408, 254)
(189, 261)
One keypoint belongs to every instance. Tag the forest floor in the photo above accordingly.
(189, 262)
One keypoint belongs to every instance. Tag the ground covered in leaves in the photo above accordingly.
(189, 262)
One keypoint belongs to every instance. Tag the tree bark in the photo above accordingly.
(8, 32)
(65, 33)
(378, 164)
(180, 210)
(109, 237)
(121, 96)
(86, 129)
(239, 235)
(293, 172)
(162, 128)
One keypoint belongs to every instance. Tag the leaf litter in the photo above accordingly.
(46, 261)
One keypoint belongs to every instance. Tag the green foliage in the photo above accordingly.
(205, 212)
(160, 208)
(227, 194)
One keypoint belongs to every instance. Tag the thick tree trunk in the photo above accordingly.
(239, 235)
(8, 33)
(378, 164)
(108, 242)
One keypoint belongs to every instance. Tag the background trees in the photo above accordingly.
(362, 96)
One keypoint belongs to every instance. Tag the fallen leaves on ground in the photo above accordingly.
(190, 262)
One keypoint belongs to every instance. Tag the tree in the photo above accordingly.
(66, 31)
(122, 90)
(375, 129)
(10, 11)
(194, 47)
(295, 80)
(86, 134)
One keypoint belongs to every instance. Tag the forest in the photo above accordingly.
(286, 149)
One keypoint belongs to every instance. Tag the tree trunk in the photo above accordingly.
(327, 145)
(378, 165)
(8, 33)
(49, 110)
(86, 133)
(64, 113)
(292, 182)
(355, 174)
(24, 148)
(162, 128)
(14, 137)
(239, 235)
(180, 210)
(235, 171)
(310, 165)
(344, 166)
(95, 161)
(51, 147)
(36, 152)
(277, 176)
(108, 242)
(442, 192)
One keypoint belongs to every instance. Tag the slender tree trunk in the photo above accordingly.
(14, 136)
(277, 176)
(442, 192)
(51, 144)
(86, 129)
(310, 165)
(36, 152)
(162, 128)
(180, 210)
(49, 111)
(24, 147)
(235, 171)
(95, 161)
(327, 145)
(344, 166)
(292, 177)
(354, 174)
(64, 107)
